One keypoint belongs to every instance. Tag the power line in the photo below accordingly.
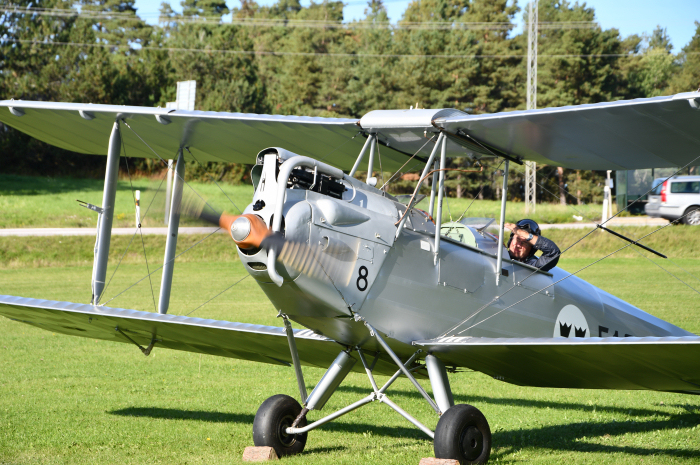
(302, 23)
(312, 54)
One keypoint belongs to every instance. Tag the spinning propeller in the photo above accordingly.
(327, 259)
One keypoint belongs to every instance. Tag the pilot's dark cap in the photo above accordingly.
(530, 226)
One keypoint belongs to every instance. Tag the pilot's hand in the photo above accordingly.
(519, 232)
(512, 227)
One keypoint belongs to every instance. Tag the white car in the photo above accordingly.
(677, 197)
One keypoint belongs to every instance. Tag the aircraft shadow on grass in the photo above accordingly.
(565, 437)
(179, 414)
(540, 404)
(247, 418)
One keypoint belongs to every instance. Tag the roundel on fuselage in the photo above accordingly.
(571, 323)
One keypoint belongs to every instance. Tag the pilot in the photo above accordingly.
(525, 240)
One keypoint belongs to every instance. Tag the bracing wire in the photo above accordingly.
(565, 277)
(447, 202)
(339, 146)
(143, 244)
(391, 178)
(135, 231)
(647, 192)
(637, 251)
(146, 213)
(436, 170)
(166, 164)
(477, 195)
(217, 295)
(169, 261)
(560, 254)
(212, 178)
(381, 170)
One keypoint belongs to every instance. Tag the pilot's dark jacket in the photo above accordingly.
(549, 257)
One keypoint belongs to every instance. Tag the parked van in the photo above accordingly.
(675, 198)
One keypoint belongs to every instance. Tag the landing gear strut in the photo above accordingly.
(462, 433)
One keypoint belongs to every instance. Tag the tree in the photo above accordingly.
(204, 8)
(650, 64)
(687, 79)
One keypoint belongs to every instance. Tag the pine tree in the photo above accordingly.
(687, 79)
(204, 8)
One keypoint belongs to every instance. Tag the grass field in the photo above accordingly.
(31, 202)
(74, 400)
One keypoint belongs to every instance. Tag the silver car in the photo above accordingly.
(677, 197)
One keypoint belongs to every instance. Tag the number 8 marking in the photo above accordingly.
(362, 280)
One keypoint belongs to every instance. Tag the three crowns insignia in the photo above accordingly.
(565, 330)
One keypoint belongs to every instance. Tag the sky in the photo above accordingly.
(629, 16)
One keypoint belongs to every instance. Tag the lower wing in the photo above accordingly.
(653, 363)
(266, 344)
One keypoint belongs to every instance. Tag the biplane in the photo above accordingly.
(379, 286)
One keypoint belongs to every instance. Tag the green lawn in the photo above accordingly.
(33, 202)
(74, 400)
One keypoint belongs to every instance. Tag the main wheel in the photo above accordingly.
(463, 434)
(274, 416)
(692, 216)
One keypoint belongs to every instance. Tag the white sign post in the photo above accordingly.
(137, 196)
(607, 199)
(184, 100)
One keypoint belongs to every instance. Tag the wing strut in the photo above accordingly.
(104, 221)
(428, 164)
(173, 227)
(370, 162)
(501, 228)
(368, 142)
(440, 193)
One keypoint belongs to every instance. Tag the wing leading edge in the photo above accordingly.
(266, 344)
(623, 135)
(627, 134)
(651, 363)
(210, 136)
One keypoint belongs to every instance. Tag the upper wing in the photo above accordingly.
(267, 344)
(627, 134)
(211, 136)
(654, 363)
(623, 135)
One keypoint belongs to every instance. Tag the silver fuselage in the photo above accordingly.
(397, 287)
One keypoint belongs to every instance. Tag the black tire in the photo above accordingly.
(463, 434)
(273, 417)
(692, 216)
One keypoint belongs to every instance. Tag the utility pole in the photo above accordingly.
(184, 100)
(530, 166)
